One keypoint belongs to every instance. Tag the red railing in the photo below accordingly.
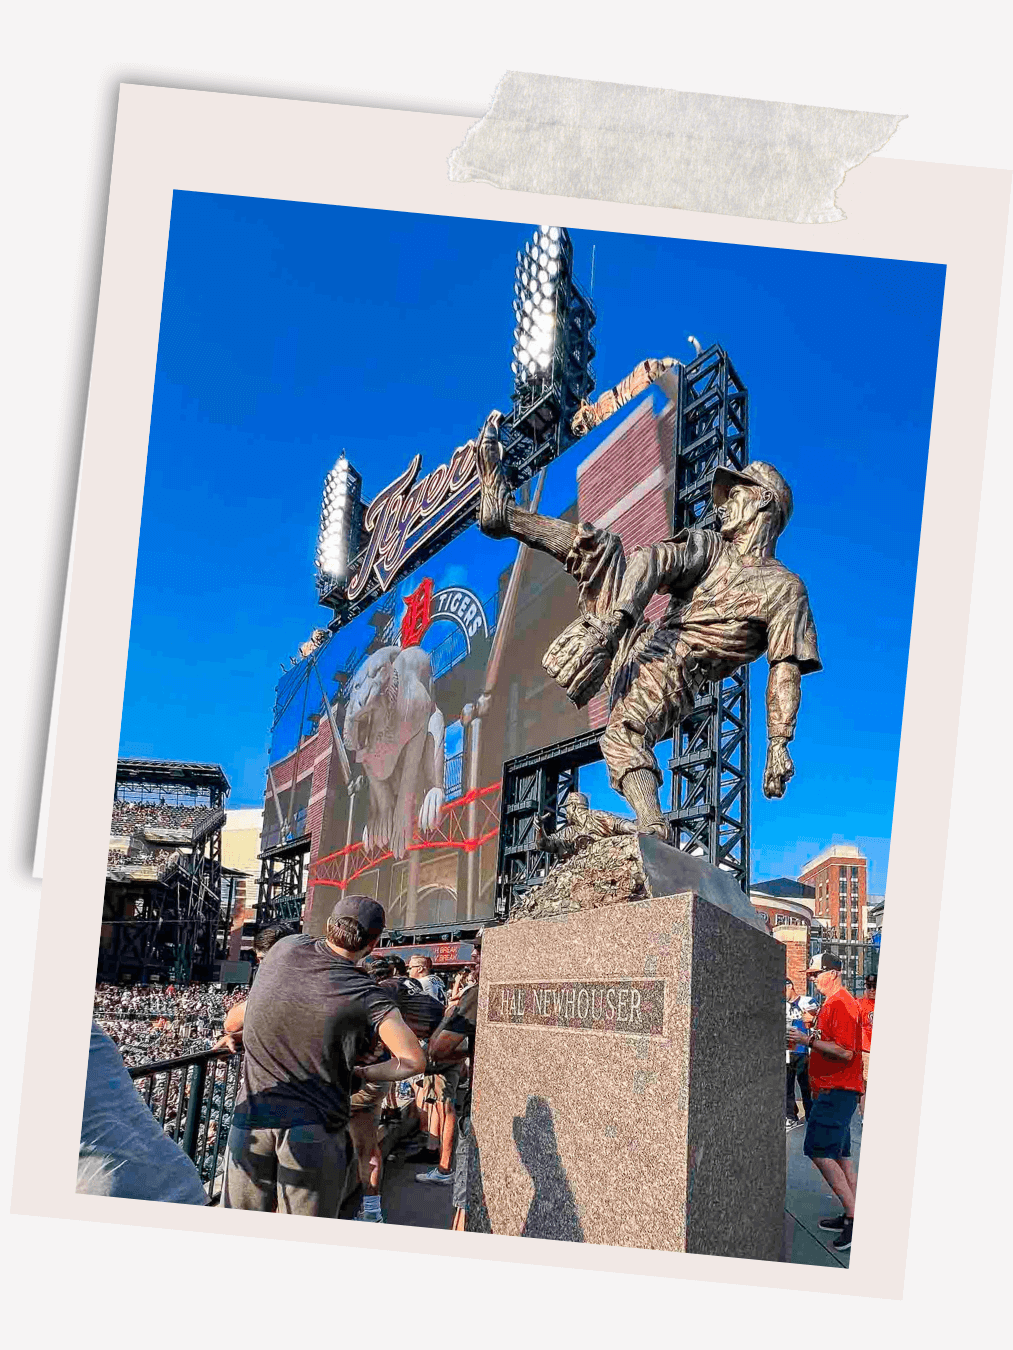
(451, 832)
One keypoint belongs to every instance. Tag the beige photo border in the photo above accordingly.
(261, 147)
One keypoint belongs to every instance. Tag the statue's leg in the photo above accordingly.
(499, 515)
(546, 533)
(406, 805)
(655, 699)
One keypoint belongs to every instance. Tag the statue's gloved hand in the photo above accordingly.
(779, 768)
(579, 659)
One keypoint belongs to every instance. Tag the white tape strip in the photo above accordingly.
(659, 147)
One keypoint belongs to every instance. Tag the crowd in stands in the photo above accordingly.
(128, 816)
(119, 857)
(148, 1023)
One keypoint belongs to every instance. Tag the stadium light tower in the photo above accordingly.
(416, 515)
(340, 515)
(552, 353)
(538, 274)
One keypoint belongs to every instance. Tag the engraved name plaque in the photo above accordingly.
(634, 1007)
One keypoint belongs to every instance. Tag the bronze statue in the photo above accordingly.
(730, 601)
(583, 826)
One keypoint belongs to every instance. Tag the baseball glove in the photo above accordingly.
(579, 659)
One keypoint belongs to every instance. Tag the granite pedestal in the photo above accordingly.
(629, 1080)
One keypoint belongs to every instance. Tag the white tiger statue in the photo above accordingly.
(396, 731)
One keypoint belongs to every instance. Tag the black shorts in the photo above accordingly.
(828, 1125)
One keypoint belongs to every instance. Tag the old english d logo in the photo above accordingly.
(417, 610)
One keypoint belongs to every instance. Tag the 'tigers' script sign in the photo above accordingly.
(407, 513)
(631, 1006)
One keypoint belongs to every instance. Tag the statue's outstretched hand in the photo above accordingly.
(779, 769)
(541, 832)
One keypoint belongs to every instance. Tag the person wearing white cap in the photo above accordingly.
(835, 1078)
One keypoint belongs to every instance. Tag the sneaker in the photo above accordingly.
(842, 1243)
(789, 1124)
(370, 1216)
(436, 1176)
(835, 1224)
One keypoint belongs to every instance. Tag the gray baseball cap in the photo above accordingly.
(756, 474)
(364, 911)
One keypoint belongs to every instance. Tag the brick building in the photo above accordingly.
(788, 909)
(626, 486)
(839, 878)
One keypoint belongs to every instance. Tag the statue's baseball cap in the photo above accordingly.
(756, 474)
(367, 913)
(825, 961)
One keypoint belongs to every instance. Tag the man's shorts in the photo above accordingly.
(443, 1085)
(369, 1098)
(828, 1125)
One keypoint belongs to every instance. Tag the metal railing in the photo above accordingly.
(452, 776)
(858, 959)
(192, 1098)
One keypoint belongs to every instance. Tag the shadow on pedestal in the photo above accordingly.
(553, 1210)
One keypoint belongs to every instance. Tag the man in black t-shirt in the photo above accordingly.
(311, 1014)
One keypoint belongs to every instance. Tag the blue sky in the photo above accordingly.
(292, 331)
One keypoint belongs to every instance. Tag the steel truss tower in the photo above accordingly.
(710, 762)
(533, 785)
(167, 920)
(282, 886)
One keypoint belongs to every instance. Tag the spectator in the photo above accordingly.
(835, 1075)
(422, 1015)
(792, 1018)
(123, 1151)
(809, 1009)
(452, 1043)
(263, 941)
(420, 968)
(866, 1007)
(438, 1091)
(463, 980)
(311, 1015)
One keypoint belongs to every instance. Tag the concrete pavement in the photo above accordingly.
(808, 1199)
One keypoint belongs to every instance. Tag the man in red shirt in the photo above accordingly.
(866, 1006)
(835, 1078)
